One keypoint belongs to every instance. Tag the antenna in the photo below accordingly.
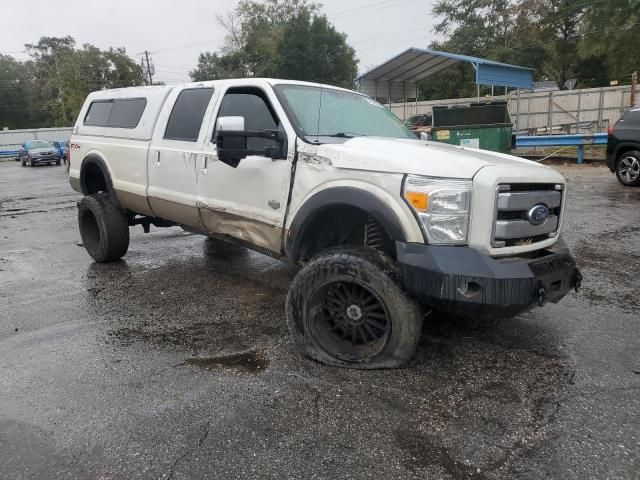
(321, 91)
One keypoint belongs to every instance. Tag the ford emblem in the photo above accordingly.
(538, 214)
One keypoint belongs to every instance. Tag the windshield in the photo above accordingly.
(338, 113)
(40, 144)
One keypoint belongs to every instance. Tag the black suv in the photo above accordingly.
(623, 148)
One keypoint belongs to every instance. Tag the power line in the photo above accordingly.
(374, 6)
(180, 47)
(522, 47)
(560, 40)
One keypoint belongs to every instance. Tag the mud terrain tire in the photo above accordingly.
(103, 227)
(347, 308)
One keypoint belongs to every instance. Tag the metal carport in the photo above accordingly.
(399, 77)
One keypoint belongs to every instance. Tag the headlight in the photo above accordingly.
(442, 206)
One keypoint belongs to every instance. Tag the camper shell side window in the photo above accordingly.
(115, 113)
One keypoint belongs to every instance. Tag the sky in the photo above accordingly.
(175, 32)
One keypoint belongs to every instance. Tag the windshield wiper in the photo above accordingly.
(339, 135)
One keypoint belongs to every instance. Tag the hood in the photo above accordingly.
(414, 157)
(43, 150)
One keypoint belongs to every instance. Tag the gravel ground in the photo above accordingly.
(176, 363)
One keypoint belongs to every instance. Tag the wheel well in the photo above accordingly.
(342, 225)
(625, 149)
(93, 179)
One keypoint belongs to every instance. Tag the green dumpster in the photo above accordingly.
(484, 125)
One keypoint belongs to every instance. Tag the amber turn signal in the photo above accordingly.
(417, 200)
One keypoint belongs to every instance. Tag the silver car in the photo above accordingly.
(35, 152)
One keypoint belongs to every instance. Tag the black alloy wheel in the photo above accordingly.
(349, 319)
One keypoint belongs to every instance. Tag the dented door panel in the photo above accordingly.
(248, 202)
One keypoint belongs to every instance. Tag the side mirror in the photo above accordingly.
(231, 141)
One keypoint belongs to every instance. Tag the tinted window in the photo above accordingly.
(126, 113)
(123, 113)
(256, 112)
(632, 117)
(98, 113)
(187, 114)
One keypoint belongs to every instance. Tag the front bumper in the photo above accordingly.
(463, 281)
(48, 159)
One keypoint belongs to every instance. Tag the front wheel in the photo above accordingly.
(628, 168)
(104, 227)
(347, 308)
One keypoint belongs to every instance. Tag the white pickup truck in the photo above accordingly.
(384, 226)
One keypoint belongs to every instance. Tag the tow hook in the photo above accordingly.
(577, 279)
(542, 295)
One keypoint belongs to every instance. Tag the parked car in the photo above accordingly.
(623, 148)
(384, 227)
(35, 152)
(62, 148)
(419, 124)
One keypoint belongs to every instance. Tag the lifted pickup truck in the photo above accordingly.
(383, 225)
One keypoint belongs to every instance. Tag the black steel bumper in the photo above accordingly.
(463, 281)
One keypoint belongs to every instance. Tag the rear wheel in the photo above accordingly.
(347, 308)
(104, 227)
(628, 169)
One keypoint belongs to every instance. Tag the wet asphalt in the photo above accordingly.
(176, 362)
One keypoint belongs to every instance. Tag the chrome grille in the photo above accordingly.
(513, 223)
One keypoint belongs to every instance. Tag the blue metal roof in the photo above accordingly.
(399, 76)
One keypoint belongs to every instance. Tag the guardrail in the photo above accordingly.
(563, 141)
(8, 153)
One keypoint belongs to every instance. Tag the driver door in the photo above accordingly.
(247, 202)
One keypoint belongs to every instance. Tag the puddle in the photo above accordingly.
(250, 362)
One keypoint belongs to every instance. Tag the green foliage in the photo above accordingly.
(559, 39)
(49, 90)
(617, 27)
(19, 94)
(280, 38)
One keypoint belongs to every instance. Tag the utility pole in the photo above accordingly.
(634, 87)
(149, 74)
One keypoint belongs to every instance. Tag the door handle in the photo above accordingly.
(203, 170)
(157, 164)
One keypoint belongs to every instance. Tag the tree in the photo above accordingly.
(212, 66)
(611, 31)
(19, 94)
(66, 75)
(562, 23)
(280, 38)
(312, 50)
(504, 30)
(495, 28)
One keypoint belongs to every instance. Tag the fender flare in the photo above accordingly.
(624, 146)
(93, 159)
(336, 196)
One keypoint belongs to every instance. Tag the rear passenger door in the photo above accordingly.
(172, 162)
